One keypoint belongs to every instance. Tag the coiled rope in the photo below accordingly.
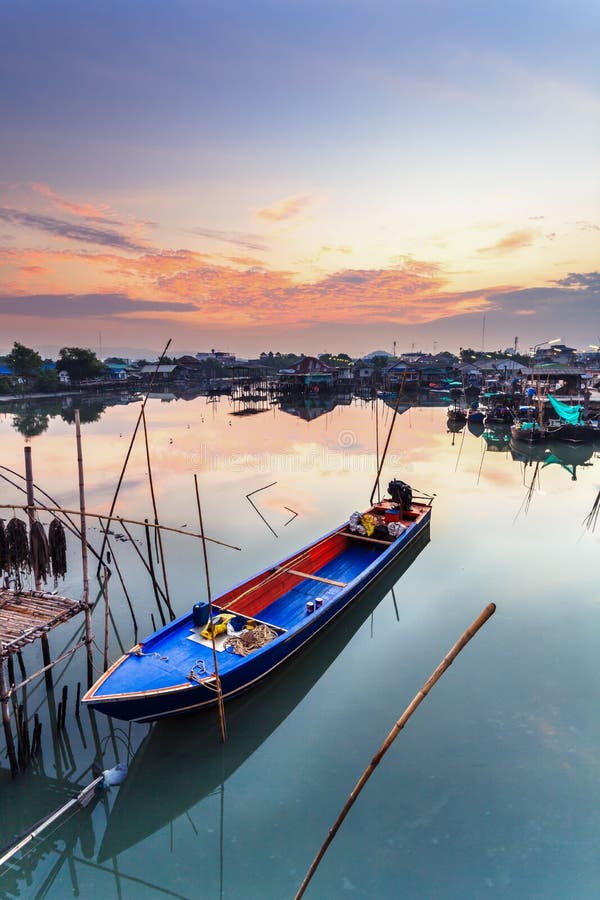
(249, 641)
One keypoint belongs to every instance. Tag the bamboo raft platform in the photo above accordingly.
(29, 615)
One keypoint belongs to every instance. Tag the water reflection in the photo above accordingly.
(511, 738)
(33, 418)
(189, 748)
(567, 456)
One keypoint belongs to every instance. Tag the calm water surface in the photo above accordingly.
(490, 791)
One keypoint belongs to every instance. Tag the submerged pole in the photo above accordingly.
(210, 614)
(385, 449)
(89, 636)
(129, 449)
(38, 583)
(4, 701)
(418, 699)
(158, 531)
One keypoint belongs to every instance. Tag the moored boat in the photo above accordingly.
(499, 414)
(528, 432)
(191, 744)
(456, 415)
(571, 425)
(260, 623)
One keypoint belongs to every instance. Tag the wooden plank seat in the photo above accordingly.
(363, 537)
(315, 577)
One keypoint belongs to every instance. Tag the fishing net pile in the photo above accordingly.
(39, 551)
(251, 640)
(58, 548)
(22, 554)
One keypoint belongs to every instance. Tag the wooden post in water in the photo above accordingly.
(130, 448)
(106, 616)
(158, 531)
(418, 699)
(4, 700)
(210, 619)
(89, 636)
(38, 583)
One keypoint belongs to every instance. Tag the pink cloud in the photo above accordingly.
(286, 209)
(515, 240)
(86, 210)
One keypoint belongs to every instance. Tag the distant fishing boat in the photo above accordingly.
(475, 415)
(499, 413)
(456, 415)
(528, 432)
(571, 426)
(261, 622)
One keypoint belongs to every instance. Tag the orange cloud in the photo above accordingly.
(286, 209)
(515, 240)
(86, 210)
(195, 287)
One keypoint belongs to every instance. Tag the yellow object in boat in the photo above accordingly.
(219, 626)
(368, 523)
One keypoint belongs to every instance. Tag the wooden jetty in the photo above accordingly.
(26, 617)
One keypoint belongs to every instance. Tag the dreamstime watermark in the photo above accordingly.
(344, 454)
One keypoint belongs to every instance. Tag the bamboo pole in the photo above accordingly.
(89, 636)
(377, 447)
(418, 699)
(107, 518)
(68, 524)
(210, 615)
(131, 443)
(30, 510)
(140, 555)
(4, 702)
(157, 532)
(124, 588)
(385, 449)
(106, 618)
(155, 583)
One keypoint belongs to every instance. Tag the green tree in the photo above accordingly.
(79, 363)
(47, 381)
(88, 412)
(23, 361)
(31, 422)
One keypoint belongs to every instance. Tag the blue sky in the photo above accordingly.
(229, 173)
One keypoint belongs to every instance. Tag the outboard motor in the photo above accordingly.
(401, 493)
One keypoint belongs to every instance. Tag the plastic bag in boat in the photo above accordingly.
(354, 521)
(395, 529)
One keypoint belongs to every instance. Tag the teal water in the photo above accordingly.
(491, 788)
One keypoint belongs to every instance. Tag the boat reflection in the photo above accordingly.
(190, 746)
(497, 438)
(569, 456)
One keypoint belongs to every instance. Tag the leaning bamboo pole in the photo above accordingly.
(381, 461)
(210, 618)
(131, 443)
(157, 532)
(418, 699)
(102, 517)
(89, 636)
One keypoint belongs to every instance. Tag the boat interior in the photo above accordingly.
(283, 596)
(280, 598)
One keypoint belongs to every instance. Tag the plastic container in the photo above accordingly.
(392, 515)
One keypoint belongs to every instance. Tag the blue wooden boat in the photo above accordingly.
(172, 672)
(191, 744)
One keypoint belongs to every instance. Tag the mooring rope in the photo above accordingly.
(248, 641)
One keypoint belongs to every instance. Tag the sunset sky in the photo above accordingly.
(299, 176)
